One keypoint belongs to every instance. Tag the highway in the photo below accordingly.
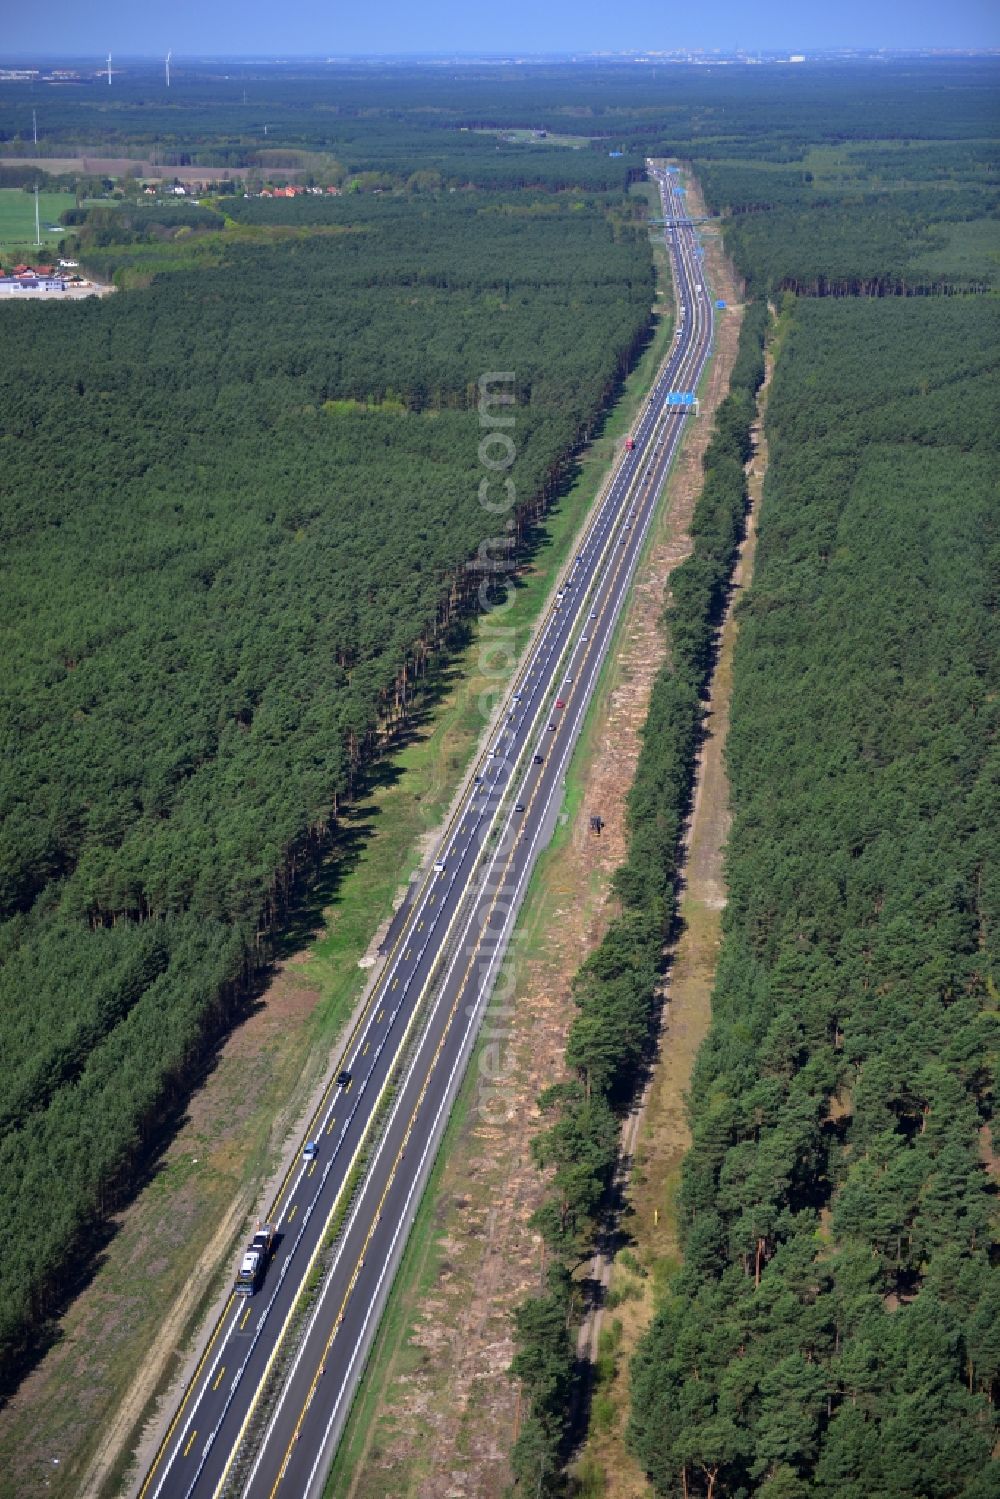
(342, 1228)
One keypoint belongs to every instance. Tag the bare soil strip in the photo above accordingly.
(658, 1139)
(439, 1415)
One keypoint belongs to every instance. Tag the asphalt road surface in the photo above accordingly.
(235, 1429)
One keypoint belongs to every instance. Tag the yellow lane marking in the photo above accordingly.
(295, 1208)
(246, 1317)
(420, 927)
(373, 1224)
(501, 884)
(190, 1444)
(392, 1174)
(378, 1018)
(519, 684)
(312, 1168)
(219, 1379)
(187, 1395)
(395, 983)
(365, 1052)
(329, 1128)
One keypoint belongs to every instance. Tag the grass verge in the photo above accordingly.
(115, 1351)
(397, 1355)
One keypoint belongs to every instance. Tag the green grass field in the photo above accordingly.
(17, 219)
(529, 138)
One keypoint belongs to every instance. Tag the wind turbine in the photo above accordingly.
(109, 70)
(169, 56)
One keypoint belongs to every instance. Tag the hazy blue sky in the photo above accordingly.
(312, 27)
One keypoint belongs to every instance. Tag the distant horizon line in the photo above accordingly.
(842, 51)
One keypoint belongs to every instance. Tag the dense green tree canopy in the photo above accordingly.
(237, 506)
(837, 1212)
(616, 989)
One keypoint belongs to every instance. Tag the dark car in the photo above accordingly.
(536, 759)
(344, 1078)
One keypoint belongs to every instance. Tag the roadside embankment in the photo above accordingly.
(585, 1145)
(657, 1133)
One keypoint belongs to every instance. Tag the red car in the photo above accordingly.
(560, 703)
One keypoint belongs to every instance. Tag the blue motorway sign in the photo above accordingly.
(680, 398)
